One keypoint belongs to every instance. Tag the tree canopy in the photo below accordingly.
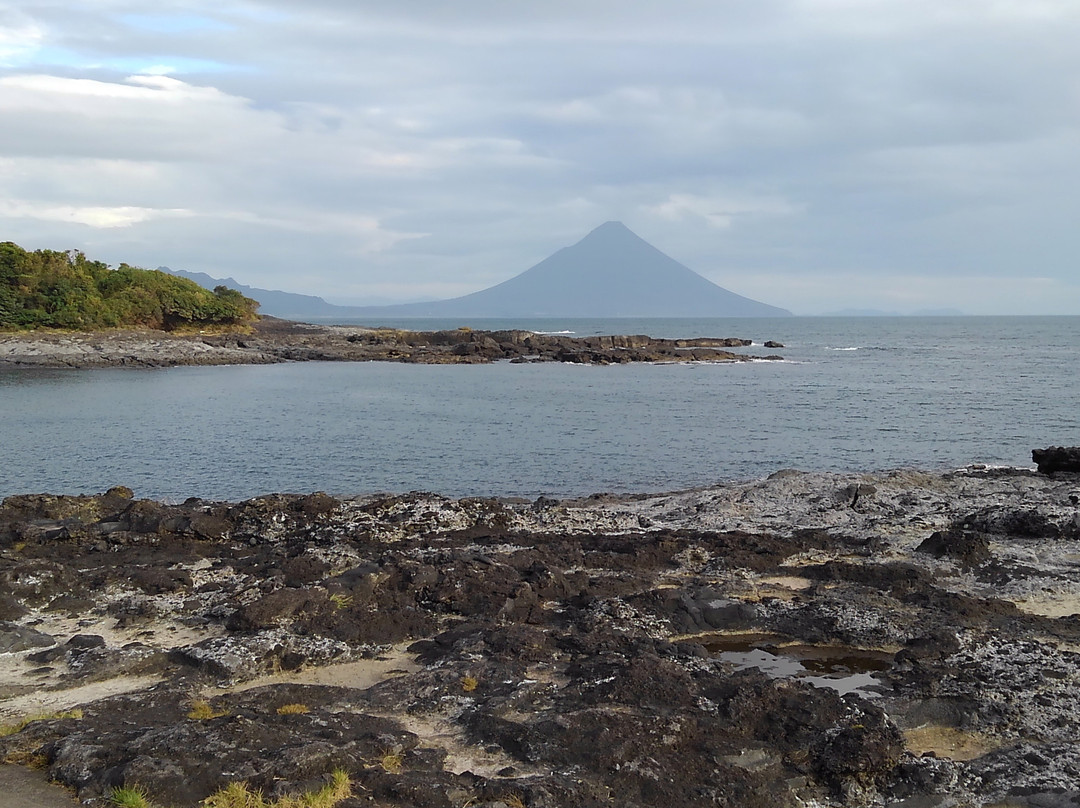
(53, 289)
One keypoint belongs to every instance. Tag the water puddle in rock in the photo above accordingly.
(839, 668)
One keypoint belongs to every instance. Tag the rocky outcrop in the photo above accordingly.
(836, 640)
(1057, 458)
(272, 340)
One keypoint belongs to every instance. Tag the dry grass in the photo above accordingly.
(292, 709)
(20, 725)
(202, 711)
(28, 758)
(391, 762)
(469, 683)
(240, 795)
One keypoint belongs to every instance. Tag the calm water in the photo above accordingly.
(855, 394)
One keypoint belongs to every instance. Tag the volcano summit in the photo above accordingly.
(610, 273)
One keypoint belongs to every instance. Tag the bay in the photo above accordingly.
(853, 394)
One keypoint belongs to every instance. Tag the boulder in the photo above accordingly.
(15, 638)
(1057, 458)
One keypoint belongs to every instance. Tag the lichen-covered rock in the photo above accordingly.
(809, 639)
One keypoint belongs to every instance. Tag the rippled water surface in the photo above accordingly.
(853, 394)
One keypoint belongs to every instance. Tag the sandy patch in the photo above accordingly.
(163, 633)
(1050, 606)
(461, 756)
(360, 675)
(49, 701)
(22, 680)
(786, 582)
(949, 742)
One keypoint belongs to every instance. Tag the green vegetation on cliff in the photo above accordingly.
(52, 289)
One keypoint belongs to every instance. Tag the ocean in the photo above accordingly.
(852, 394)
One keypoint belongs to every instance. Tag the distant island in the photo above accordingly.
(66, 290)
(610, 273)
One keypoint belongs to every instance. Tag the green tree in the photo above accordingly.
(53, 289)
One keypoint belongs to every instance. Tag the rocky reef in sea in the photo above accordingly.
(904, 638)
(270, 341)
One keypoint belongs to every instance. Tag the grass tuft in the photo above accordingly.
(130, 797)
(292, 709)
(469, 683)
(21, 724)
(241, 795)
(341, 600)
(202, 711)
(391, 762)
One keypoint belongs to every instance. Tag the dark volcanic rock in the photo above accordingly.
(969, 547)
(1057, 458)
(807, 639)
(282, 341)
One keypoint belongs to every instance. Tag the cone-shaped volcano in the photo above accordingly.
(609, 273)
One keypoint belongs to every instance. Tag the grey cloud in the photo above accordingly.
(784, 138)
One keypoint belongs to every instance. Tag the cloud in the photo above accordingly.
(97, 217)
(20, 38)
(435, 147)
(718, 212)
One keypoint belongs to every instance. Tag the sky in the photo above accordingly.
(819, 155)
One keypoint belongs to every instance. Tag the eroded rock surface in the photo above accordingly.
(902, 639)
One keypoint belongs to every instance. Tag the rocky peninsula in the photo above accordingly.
(271, 340)
(904, 638)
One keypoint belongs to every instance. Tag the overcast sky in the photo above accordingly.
(812, 154)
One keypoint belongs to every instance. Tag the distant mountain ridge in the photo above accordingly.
(611, 272)
(286, 305)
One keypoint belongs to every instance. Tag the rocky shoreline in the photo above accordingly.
(271, 340)
(905, 639)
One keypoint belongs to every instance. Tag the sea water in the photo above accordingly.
(852, 394)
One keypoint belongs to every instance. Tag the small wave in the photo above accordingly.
(850, 348)
(552, 333)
